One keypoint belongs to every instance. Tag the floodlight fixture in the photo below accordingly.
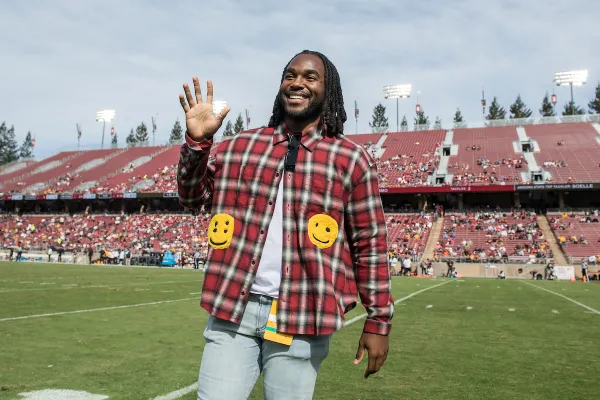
(218, 106)
(571, 78)
(575, 78)
(105, 116)
(397, 92)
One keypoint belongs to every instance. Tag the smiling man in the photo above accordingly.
(306, 235)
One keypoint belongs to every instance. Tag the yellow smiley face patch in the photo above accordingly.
(322, 230)
(220, 231)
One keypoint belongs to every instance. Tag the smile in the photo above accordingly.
(314, 237)
(220, 243)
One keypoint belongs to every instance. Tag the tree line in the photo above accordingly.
(517, 110)
(9, 149)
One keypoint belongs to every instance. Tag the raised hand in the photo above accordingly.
(200, 121)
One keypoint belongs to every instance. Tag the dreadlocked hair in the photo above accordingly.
(333, 114)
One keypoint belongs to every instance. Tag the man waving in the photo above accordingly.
(297, 231)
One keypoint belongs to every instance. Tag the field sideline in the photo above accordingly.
(136, 333)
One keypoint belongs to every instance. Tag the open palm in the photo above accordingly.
(200, 120)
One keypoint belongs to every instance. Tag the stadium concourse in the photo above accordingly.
(518, 192)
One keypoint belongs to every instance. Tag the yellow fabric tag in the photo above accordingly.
(271, 333)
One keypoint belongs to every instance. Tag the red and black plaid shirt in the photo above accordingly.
(333, 176)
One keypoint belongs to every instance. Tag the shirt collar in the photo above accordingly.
(308, 140)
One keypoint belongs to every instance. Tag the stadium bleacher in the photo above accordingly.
(486, 156)
(482, 236)
(483, 156)
(568, 151)
(577, 233)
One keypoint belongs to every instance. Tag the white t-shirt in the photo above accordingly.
(268, 275)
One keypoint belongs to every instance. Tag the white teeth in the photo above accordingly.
(296, 97)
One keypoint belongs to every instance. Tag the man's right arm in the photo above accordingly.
(195, 173)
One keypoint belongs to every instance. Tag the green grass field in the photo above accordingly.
(465, 339)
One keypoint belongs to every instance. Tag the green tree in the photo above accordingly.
(458, 119)
(9, 149)
(115, 140)
(404, 124)
(519, 110)
(228, 130)
(239, 124)
(421, 121)
(496, 111)
(176, 133)
(547, 110)
(131, 139)
(573, 109)
(594, 105)
(438, 123)
(26, 149)
(141, 133)
(379, 124)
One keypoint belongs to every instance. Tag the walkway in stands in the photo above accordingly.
(559, 257)
(433, 238)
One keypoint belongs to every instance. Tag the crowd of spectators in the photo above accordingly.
(488, 172)
(405, 170)
(77, 233)
(493, 237)
(577, 234)
(408, 234)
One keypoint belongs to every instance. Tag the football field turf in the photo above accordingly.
(136, 333)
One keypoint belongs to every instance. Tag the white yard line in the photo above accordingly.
(71, 287)
(194, 386)
(96, 309)
(564, 297)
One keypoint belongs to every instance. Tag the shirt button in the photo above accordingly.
(253, 262)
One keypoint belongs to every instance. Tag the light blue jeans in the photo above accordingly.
(235, 355)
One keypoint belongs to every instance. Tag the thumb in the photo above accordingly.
(223, 113)
(360, 352)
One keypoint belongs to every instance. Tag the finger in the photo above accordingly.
(209, 92)
(360, 352)
(188, 95)
(197, 90)
(380, 361)
(223, 113)
(372, 366)
(186, 108)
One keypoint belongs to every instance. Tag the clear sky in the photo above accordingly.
(63, 60)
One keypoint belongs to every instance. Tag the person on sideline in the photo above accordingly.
(297, 231)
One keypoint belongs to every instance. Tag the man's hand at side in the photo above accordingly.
(377, 346)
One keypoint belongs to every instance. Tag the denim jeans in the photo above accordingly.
(235, 355)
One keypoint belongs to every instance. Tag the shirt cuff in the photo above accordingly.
(377, 327)
(203, 145)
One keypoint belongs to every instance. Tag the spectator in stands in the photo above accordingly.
(308, 108)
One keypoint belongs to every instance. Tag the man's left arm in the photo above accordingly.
(367, 236)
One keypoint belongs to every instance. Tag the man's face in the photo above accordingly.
(302, 91)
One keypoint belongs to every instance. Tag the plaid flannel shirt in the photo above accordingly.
(333, 176)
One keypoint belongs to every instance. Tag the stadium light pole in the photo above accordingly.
(397, 92)
(105, 116)
(571, 78)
